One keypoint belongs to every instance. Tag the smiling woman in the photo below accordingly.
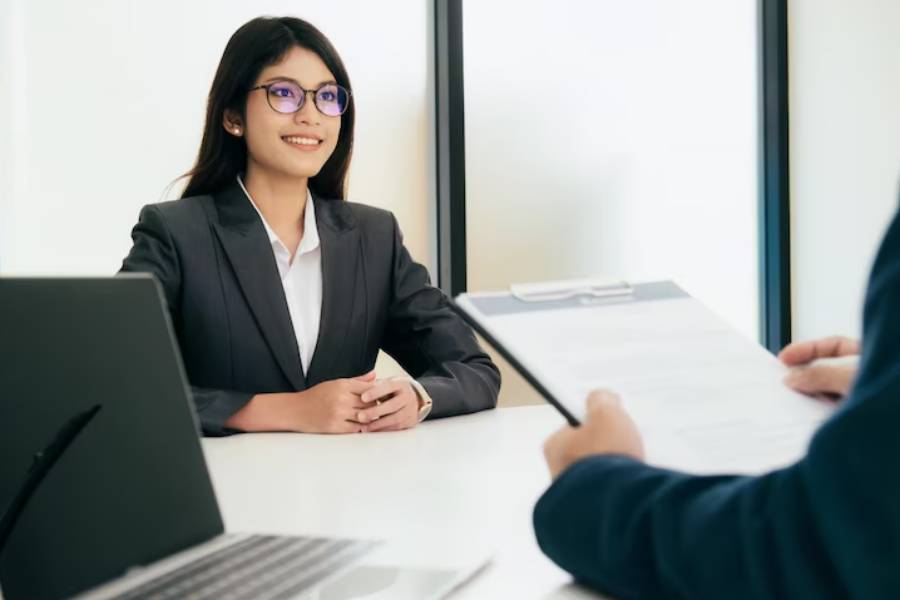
(280, 291)
(242, 122)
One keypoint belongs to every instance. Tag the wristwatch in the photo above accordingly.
(425, 402)
(425, 405)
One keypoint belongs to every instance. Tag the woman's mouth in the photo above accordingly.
(306, 144)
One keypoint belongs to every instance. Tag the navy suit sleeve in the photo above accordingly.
(154, 252)
(433, 344)
(826, 527)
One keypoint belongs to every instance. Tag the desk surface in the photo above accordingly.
(468, 481)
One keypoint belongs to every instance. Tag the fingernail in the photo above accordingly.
(361, 417)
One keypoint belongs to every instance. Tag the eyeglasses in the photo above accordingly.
(287, 97)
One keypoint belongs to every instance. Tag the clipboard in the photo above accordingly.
(514, 362)
(705, 397)
(553, 294)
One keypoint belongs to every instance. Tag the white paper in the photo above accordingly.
(705, 398)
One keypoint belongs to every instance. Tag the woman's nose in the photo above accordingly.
(308, 113)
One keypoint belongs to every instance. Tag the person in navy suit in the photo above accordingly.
(825, 527)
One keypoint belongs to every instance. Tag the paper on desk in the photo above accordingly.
(705, 398)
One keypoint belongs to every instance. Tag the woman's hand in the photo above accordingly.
(808, 375)
(393, 404)
(330, 407)
(607, 429)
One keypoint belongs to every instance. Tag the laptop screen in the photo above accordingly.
(133, 485)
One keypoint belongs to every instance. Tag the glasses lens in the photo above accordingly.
(285, 97)
(332, 99)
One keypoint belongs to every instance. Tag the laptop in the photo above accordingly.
(96, 401)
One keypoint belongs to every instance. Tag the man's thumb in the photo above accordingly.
(599, 399)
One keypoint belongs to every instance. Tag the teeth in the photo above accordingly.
(303, 141)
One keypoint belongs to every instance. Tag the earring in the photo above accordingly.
(237, 131)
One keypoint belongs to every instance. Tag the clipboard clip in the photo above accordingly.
(587, 290)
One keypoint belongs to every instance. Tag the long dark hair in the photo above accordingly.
(256, 45)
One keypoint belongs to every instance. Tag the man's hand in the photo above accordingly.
(607, 429)
(810, 374)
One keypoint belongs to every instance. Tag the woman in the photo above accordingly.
(280, 291)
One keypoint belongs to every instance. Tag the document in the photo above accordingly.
(706, 398)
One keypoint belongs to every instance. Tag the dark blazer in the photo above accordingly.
(215, 263)
(826, 527)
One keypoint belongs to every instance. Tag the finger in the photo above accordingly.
(818, 379)
(800, 353)
(552, 443)
(356, 386)
(382, 389)
(379, 411)
(370, 376)
(395, 422)
(402, 419)
(600, 399)
(347, 402)
(555, 448)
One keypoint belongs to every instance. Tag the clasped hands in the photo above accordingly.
(360, 404)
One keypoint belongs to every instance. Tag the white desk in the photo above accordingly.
(471, 479)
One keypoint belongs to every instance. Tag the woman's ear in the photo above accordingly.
(231, 121)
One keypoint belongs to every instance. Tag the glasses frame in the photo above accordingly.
(302, 101)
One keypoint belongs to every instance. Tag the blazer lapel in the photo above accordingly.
(249, 251)
(339, 240)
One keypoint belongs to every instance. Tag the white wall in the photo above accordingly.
(10, 44)
(108, 104)
(614, 139)
(845, 153)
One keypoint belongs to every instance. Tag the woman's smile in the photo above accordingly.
(306, 143)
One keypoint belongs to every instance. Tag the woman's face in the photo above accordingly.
(293, 145)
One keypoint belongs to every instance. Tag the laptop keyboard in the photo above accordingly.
(257, 567)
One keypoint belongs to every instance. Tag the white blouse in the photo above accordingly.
(301, 278)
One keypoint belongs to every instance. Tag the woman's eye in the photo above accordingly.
(328, 96)
(282, 92)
